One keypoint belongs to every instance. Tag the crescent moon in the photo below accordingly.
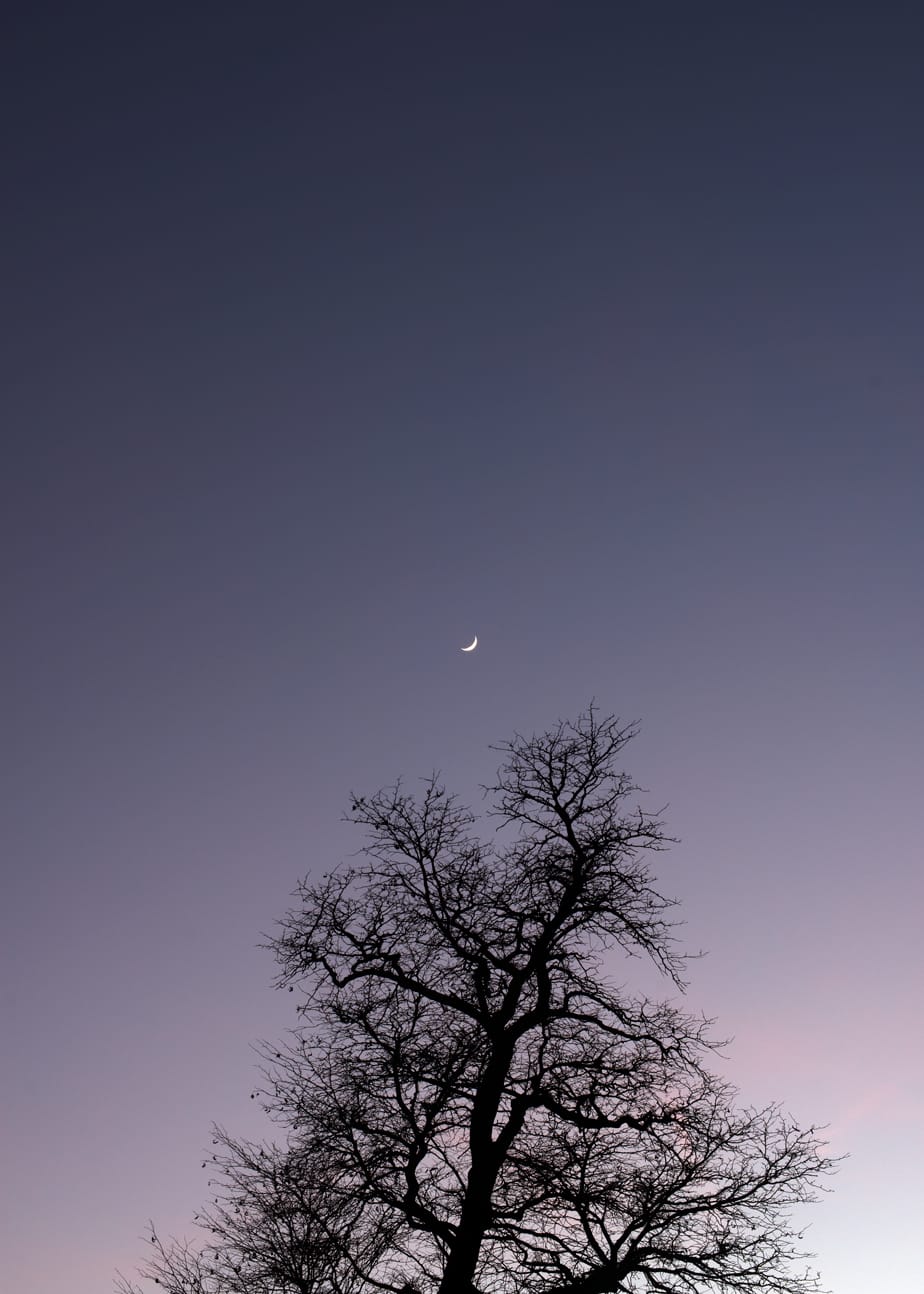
(472, 645)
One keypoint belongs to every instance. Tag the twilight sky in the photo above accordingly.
(336, 334)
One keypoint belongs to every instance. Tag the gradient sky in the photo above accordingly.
(336, 334)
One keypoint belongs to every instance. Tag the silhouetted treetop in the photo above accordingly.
(472, 1066)
(471, 1104)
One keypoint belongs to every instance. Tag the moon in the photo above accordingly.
(472, 645)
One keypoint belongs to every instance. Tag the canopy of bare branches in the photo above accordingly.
(470, 1103)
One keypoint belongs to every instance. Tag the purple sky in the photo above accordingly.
(336, 334)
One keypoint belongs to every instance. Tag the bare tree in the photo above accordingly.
(471, 1104)
(475, 1076)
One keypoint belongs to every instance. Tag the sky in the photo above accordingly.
(334, 335)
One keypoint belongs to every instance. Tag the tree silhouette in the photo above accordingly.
(496, 1113)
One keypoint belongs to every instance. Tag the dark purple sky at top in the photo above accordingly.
(334, 335)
